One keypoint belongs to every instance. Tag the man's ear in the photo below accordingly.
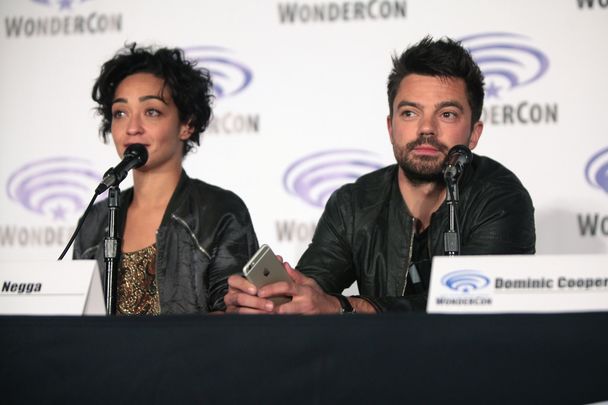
(389, 126)
(475, 134)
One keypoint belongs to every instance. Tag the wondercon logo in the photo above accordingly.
(506, 60)
(465, 281)
(62, 4)
(596, 170)
(314, 177)
(229, 76)
(53, 187)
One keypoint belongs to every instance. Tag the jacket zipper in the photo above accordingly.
(192, 235)
(409, 257)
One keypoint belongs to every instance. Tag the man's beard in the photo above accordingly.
(421, 169)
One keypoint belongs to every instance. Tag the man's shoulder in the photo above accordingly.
(369, 189)
(489, 172)
(490, 179)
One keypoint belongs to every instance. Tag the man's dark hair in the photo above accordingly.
(441, 58)
(190, 86)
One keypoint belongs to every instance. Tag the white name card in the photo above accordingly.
(50, 288)
(518, 284)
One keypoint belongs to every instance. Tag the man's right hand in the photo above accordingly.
(242, 298)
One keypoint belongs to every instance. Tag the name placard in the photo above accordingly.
(50, 288)
(518, 284)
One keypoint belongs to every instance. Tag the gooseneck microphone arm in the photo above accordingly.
(135, 156)
(453, 168)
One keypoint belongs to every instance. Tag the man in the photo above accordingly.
(383, 230)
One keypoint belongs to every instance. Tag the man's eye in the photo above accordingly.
(408, 113)
(448, 114)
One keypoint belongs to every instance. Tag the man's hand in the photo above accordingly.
(307, 298)
(242, 298)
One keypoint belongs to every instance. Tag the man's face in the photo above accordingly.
(430, 115)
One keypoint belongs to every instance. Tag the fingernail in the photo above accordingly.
(269, 306)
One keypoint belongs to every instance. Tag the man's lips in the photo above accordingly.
(425, 150)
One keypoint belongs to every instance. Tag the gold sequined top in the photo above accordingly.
(137, 288)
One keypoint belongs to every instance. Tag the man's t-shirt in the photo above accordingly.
(419, 274)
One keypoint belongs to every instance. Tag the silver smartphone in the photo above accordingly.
(264, 268)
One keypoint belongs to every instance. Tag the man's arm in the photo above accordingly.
(503, 223)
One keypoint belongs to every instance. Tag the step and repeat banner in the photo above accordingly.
(301, 105)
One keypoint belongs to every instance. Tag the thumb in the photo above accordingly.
(298, 277)
(295, 275)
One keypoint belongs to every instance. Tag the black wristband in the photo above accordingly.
(345, 307)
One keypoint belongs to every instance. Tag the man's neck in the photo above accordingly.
(422, 200)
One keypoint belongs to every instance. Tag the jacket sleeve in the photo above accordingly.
(90, 236)
(329, 259)
(236, 242)
(500, 221)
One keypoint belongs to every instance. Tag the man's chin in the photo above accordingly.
(419, 176)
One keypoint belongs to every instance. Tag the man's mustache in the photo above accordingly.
(427, 140)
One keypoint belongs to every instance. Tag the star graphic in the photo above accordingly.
(492, 90)
(58, 212)
(65, 4)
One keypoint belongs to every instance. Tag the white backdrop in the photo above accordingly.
(302, 103)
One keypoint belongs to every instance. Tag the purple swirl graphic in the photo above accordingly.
(314, 177)
(229, 76)
(596, 170)
(465, 280)
(54, 187)
(506, 60)
(62, 4)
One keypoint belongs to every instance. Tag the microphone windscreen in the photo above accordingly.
(138, 151)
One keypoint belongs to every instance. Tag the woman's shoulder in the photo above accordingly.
(212, 195)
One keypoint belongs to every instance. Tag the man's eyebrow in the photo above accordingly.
(405, 103)
(450, 103)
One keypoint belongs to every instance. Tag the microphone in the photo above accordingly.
(135, 156)
(454, 164)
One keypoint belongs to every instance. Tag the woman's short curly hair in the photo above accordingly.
(191, 86)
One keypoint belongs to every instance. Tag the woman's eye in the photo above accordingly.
(118, 114)
(152, 112)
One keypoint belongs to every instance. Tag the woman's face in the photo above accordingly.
(143, 112)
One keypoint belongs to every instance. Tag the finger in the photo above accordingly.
(253, 302)
(289, 308)
(298, 305)
(280, 288)
(240, 283)
(298, 277)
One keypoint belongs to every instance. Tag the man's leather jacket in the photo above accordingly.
(205, 235)
(366, 231)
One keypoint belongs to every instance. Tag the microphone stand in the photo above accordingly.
(112, 250)
(451, 238)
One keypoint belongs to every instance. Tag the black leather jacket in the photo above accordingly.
(366, 231)
(205, 235)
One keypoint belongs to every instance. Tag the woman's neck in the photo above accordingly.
(153, 190)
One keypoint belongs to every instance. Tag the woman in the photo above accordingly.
(181, 237)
